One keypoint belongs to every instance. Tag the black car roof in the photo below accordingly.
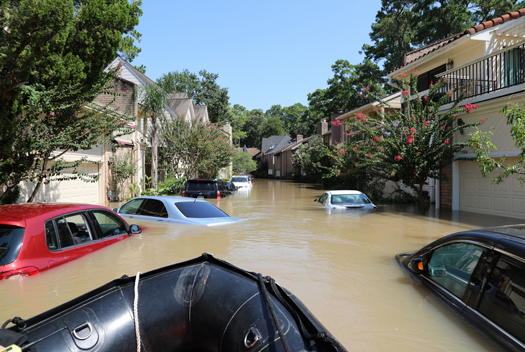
(514, 232)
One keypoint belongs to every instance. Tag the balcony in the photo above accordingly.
(488, 74)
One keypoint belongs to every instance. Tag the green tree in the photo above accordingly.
(344, 89)
(243, 163)
(482, 145)
(436, 20)
(203, 88)
(153, 102)
(239, 116)
(410, 145)
(314, 159)
(193, 149)
(52, 59)
(255, 118)
(295, 118)
(391, 34)
(272, 126)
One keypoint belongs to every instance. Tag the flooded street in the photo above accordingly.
(340, 264)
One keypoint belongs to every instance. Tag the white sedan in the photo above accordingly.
(241, 182)
(346, 200)
(180, 210)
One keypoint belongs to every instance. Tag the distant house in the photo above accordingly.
(489, 59)
(270, 150)
(287, 152)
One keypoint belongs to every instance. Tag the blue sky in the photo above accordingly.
(265, 52)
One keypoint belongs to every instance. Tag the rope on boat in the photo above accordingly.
(136, 311)
(272, 313)
(320, 336)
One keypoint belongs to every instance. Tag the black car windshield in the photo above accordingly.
(10, 243)
(200, 210)
(200, 186)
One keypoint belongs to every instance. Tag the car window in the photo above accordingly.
(10, 243)
(110, 225)
(323, 198)
(73, 230)
(51, 236)
(155, 208)
(200, 210)
(200, 186)
(364, 199)
(452, 265)
(503, 299)
(131, 207)
(239, 179)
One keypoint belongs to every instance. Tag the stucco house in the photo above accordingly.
(488, 57)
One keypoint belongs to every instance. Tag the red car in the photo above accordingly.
(38, 236)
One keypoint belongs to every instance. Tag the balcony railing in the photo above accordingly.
(489, 74)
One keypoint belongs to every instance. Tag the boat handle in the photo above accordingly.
(81, 327)
(247, 339)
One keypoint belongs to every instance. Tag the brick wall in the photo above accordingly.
(123, 102)
(445, 192)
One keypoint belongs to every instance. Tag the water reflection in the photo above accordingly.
(340, 264)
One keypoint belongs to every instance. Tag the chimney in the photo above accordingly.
(322, 127)
(299, 137)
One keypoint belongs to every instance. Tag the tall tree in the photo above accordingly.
(239, 115)
(272, 126)
(440, 19)
(391, 34)
(57, 50)
(153, 101)
(345, 88)
(255, 118)
(203, 89)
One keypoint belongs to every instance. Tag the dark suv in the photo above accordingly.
(481, 273)
(206, 188)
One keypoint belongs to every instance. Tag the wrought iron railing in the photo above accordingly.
(489, 74)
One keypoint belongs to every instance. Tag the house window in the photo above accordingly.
(424, 79)
(512, 67)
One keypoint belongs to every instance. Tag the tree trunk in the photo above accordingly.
(154, 153)
(39, 183)
(421, 196)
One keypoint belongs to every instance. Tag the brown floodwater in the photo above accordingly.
(340, 264)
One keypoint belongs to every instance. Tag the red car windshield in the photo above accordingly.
(10, 243)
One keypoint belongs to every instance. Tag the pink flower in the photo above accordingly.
(425, 123)
(52, 113)
(398, 158)
(415, 173)
(405, 92)
(442, 127)
(61, 132)
(361, 117)
(409, 141)
(336, 123)
(413, 130)
(426, 97)
(470, 107)
(446, 142)
(51, 136)
(377, 138)
(418, 153)
(132, 127)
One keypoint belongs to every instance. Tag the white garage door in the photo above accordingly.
(477, 194)
(73, 191)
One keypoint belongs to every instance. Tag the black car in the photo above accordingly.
(206, 188)
(481, 273)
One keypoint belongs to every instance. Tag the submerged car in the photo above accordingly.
(345, 200)
(481, 274)
(38, 236)
(241, 182)
(180, 210)
(206, 188)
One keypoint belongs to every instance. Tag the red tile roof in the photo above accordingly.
(420, 52)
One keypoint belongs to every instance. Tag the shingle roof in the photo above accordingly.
(420, 52)
(296, 144)
(179, 106)
(200, 112)
(278, 142)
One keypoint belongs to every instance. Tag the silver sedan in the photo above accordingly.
(180, 210)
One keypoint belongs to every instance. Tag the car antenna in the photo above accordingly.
(195, 201)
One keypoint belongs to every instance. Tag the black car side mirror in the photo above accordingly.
(135, 229)
(417, 265)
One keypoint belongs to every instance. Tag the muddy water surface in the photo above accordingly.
(340, 264)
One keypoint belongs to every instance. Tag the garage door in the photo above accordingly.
(477, 194)
(73, 191)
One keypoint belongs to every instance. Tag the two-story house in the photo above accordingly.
(489, 58)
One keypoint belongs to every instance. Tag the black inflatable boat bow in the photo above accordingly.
(319, 336)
